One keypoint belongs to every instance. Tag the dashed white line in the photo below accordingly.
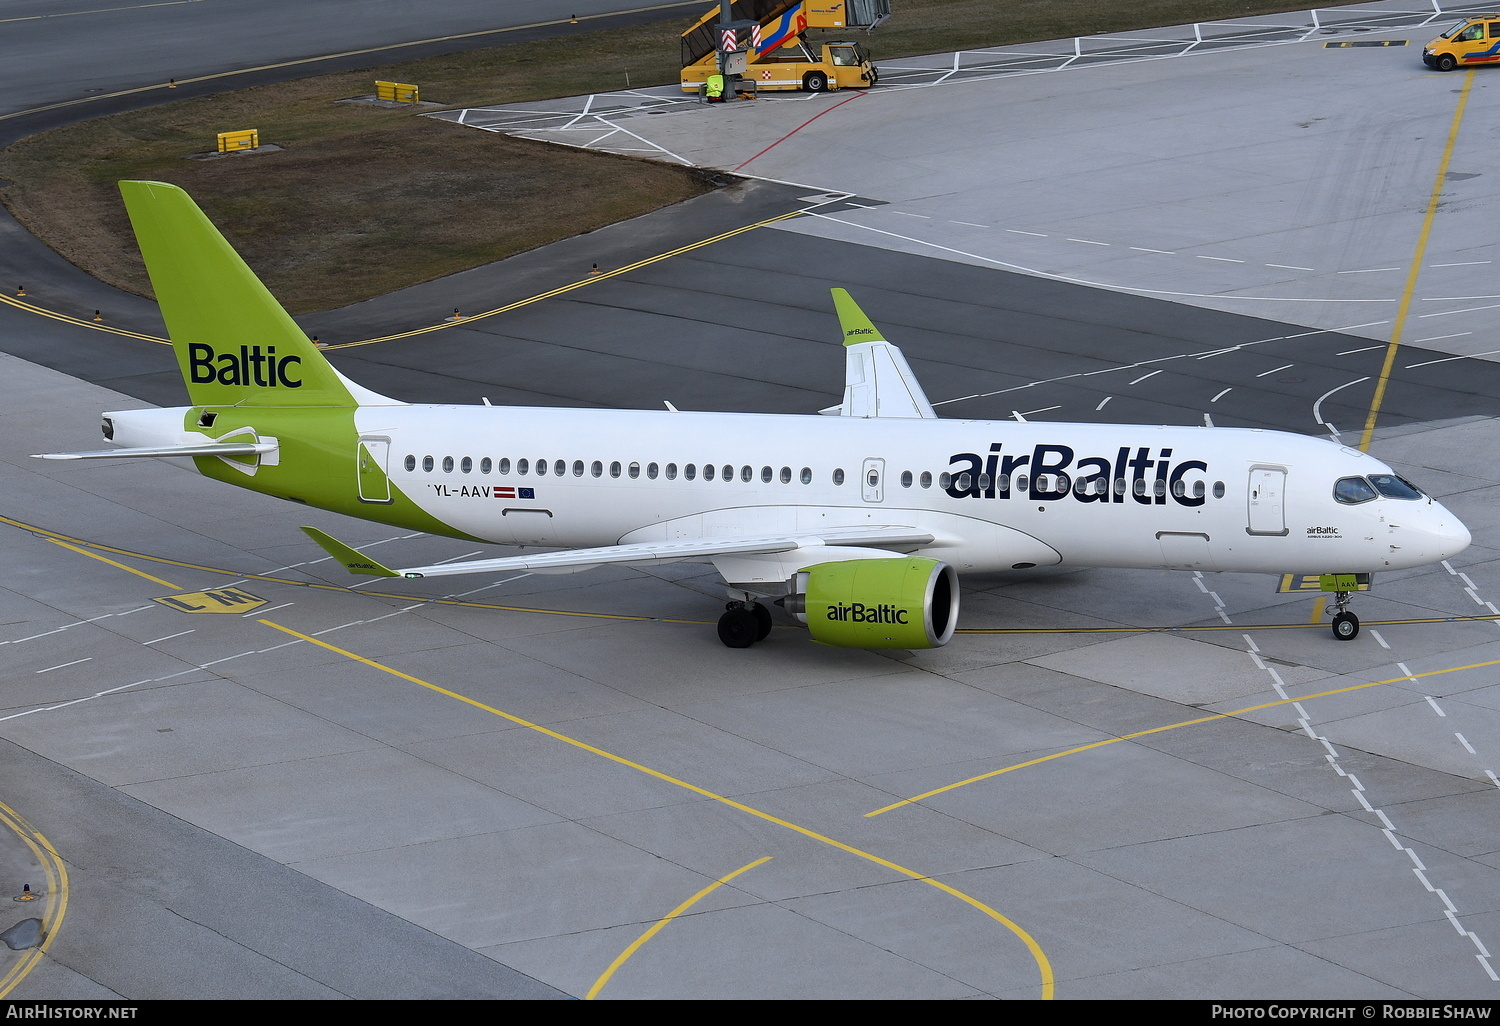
(1089, 242)
(1366, 349)
(1143, 377)
(1222, 394)
(1369, 270)
(59, 666)
(971, 224)
(1450, 359)
(169, 637)
(1225, 260)
(1277, 370)
(1017, 231)
(1102, 402)
(1163, 252)
(1435, 707)
(1291, 267)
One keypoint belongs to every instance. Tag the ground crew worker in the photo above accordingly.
(715, 88)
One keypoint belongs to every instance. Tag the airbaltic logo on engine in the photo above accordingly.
(249, 367)
(858, 612)
(1051, 472)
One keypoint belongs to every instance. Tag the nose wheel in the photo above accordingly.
(1345, 623)
(744, 623)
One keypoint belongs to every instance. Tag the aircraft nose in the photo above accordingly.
(1450, 534)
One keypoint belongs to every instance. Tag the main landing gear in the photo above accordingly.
(1345, 623)
(744, 623)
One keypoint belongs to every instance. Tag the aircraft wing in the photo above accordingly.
(877, 380)
(212, 449)
(634, 554)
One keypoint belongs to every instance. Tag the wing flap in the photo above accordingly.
(634, 554)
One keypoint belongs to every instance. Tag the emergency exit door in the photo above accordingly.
(1267, 507)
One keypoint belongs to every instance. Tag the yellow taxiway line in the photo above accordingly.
(55, 904)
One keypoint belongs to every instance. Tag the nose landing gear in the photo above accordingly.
(1345, 623)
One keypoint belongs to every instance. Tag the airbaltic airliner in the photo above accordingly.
(856, 523)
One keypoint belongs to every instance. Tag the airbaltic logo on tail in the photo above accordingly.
(249, 367)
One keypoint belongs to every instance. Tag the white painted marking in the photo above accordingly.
(1479, 944)
(1257, 660)
(1102, 402)
(1226, 260)
(284, 644)
(1361, 797)
(1146, 249)
(1487, 969)
(1355, 781)
(1451, 908)
(1450, 359)
(1318, 406)
(971, 224)
(1406, 670)
(1143, 377)
(1222, 394)
(1413, 856)
(1383, 818)
(1467, 580)
(1449, 567)
(1292, 267)
(169, 637)
(59, 666)
(1089, 242)
(1276, 370)
(330, 630)
(1462, 263)
(226, 659)
(1351, 352)
(1044, 409)
(1017, 231)
(1474, 595)
(1439, 338)
(1392, 838)
(1215, 596)
(1251, 642)
(1467, 309)
(1377, 636)
(1493, 779)
(263, 612)
(903, 213)
(137, 609)
(1435, 707)
(1425, 882)
(1369, 270)
(1456, 924)
(1465, 742)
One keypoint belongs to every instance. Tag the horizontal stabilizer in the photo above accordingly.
(140, 452)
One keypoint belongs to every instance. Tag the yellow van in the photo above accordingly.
(1472, 41)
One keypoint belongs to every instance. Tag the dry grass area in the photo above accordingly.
(362, 200)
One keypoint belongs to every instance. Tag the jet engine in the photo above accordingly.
(901, 602)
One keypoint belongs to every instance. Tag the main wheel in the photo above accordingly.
(1345, 626)
(738, 628)
(1446, 62)
(762, 621)
(815, 81)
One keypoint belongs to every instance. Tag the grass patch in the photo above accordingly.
(363, 200)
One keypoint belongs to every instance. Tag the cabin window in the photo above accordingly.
(984, 482)
(596, 468)
(522, 466)
(427, 464)
(1139, 487)
(1197, 489)
(578, 468)
(484, 465)
(1020, 482)
(806, 475)
(447, 464)
(1218, 489)
(671, 472)
(766, 473)
(905, 479)
(689, 472)
(728, 472)
(614, 469)
(1353, 490)
(838, 476)
(1119, 486)
(561, 466)
(411, 464)
(944, 480)
(466, 464)
(926, 479)
(709, 470)
(747, 474)
(635, 471)
(1159, 489)
(541, 468)
(651, 469)
(786, 475)
(1393, 487)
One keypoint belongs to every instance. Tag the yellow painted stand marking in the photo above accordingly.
(1043, 965)
(56, 905)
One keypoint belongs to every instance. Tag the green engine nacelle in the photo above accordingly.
(903, 602)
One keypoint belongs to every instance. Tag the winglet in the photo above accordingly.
(857, 327)
(353, 560)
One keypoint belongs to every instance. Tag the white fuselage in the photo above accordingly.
(1108, 495)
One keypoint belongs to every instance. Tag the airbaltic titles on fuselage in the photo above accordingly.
(1054, 472)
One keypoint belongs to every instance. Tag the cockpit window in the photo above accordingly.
(1353, 490)
(1393, 487)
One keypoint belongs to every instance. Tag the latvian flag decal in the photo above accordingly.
(515, 493)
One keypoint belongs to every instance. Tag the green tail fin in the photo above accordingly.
(857, 327)
(235, 344)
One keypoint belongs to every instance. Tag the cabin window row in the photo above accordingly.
(616, 469)
(1054, 484)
